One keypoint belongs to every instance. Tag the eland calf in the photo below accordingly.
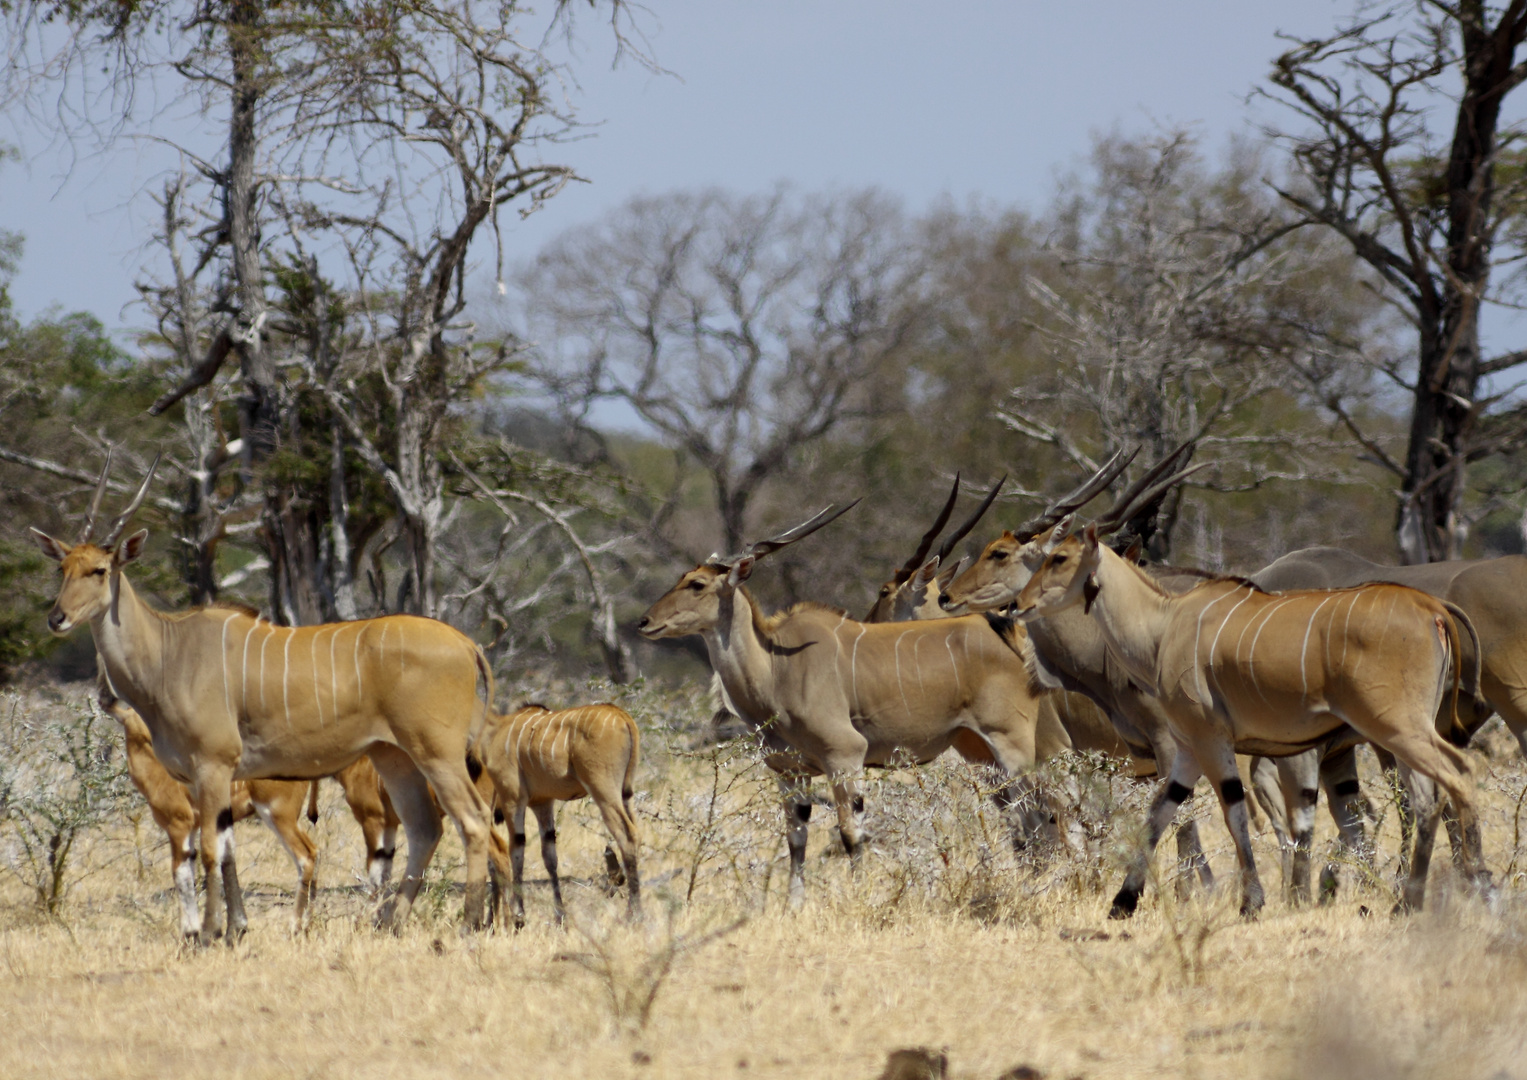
(534, 757)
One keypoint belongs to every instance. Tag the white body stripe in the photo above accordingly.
(227, 693)
(286, 670)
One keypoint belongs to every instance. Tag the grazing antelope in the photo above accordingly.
(229, 696)
(1379, 658)
(534, 757)
(830, 695)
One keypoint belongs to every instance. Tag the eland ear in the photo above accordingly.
(952, 572)
(53, 549)
(926, 573)
(1090, 537)
(1059, 533)
(1132, 554)
(131, 548)
(741, 570)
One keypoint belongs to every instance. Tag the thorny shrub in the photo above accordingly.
(62, 773)
(710, 811)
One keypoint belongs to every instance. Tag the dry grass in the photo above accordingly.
(944, 939)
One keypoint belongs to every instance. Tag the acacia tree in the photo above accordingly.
(742, 329)
(1431, 213)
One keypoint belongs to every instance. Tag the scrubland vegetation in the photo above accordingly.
(366, 408)
(946, 939)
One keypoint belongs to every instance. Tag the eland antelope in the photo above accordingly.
(227, 695)
(830, 695)
(278, 803)
(534, 757)
(1379, 658)
(1491, 592)
(1069, 651)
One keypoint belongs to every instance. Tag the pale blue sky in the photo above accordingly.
(991, 100)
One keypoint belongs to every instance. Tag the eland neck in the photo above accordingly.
(129, 640)
(1132, 614)
(740, 656)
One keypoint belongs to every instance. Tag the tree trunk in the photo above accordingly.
(1429, 528)
(292, 536)
(258, 405)
(341, 572)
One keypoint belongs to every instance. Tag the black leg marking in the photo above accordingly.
(1125, 903)
(549, 836)
(803, 812)
(1176, 793)
(519, 838)
(498, 816)
(1232, 791)
(1309, 796)
(224, 819)
(1347, 788)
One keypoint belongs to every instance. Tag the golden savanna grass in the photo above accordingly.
(945, 939)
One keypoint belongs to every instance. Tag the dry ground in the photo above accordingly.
(944, 939)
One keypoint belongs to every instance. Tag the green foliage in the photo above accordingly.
(26, 593)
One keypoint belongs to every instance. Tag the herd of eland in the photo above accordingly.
(1052, 639)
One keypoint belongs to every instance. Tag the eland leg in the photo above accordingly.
(850, 806)
(213, 788)
(1299, 781)
(517, 863)
(1426, 809)
(1267, 793)
(616, 812)
(279, 806)
(1426, 753)
(1232, 797)
(373, 812)
(1344, 798)
(1174, 793)
(183, 858)
(446, 770)
(411, 798)
(795, 796)
(546, 819)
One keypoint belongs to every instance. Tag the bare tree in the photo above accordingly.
(1430, 213)
(390, 133)
(1175, 305)
(741, 330)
